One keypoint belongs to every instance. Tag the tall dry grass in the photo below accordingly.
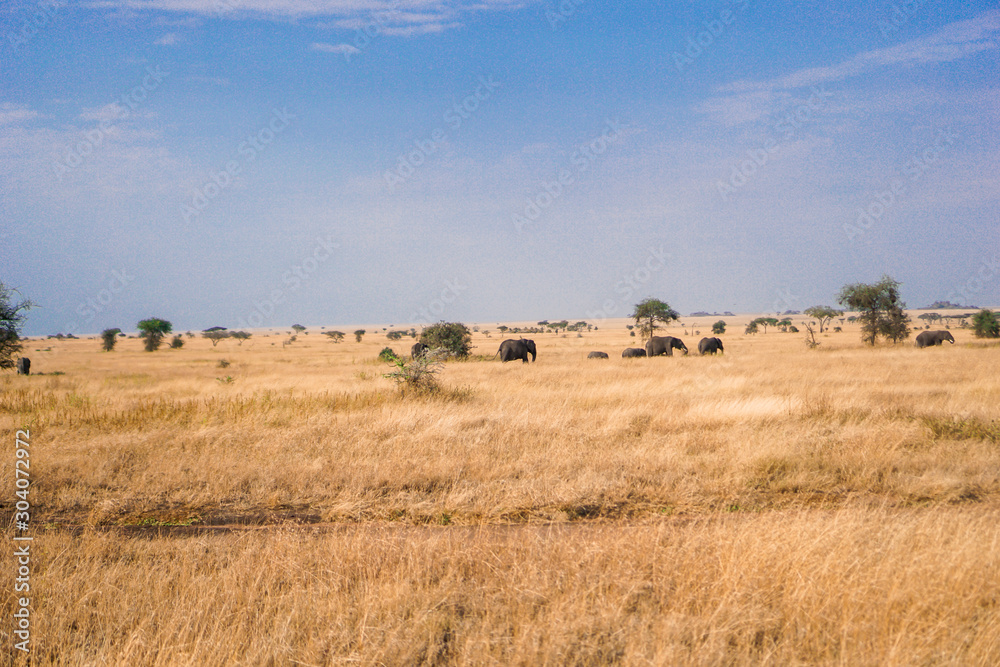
(774, 505)
(865, 587)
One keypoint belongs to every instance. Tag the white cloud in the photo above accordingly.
(423, 29)
(953, 42)
(401, 18)
(334, 48)
(169, 39)
(107, 113)
(11, 114)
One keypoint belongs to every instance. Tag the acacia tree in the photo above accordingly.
(337, 336)
(12, 316)
(766, 322)
(823, 314)
(719, 327)
(109, 337)
(215, 334)
(240, 336)
(152, 331)
(880, 309)
(650, 311)
(358, 334)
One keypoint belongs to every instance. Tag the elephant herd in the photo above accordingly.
(666, 345)
(661, 345)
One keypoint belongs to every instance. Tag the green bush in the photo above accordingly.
(985, 324)
(453, 337)
(387, 354)
(109, 338)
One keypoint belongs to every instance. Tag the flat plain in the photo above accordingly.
(772, 505)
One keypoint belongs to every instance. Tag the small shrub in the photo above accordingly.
(223, 363)
(388, 355)
(811, 341)
(419, 373)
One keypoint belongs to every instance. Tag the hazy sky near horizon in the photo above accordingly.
(245, 163)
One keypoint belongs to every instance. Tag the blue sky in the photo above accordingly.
(252, 164)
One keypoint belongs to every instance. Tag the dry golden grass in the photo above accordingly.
(773, 505)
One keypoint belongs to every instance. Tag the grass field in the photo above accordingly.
(773, 505)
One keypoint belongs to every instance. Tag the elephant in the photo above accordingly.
(597, 355)
(24, 366)
(630, 352)
(658, 345)
(928, 338)
(419, 350)
(512, 349)
(710, 346)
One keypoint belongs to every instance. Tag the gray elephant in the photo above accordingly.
(24, 366)
(630, 352)
(928, 338)
(597, 355)
(658, 345)
(419, 350)
(512, 349)
(709, 346)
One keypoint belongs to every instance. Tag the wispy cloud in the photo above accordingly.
(334, 48)
(422, 29)
(395, 17)
(168, 39)
(11, 114)
(953, 42)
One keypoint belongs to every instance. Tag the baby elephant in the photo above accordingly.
(710, 346)
(928, 338)
(597, 355)
(630, 352)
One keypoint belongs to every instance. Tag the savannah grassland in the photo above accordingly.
(775, 505)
